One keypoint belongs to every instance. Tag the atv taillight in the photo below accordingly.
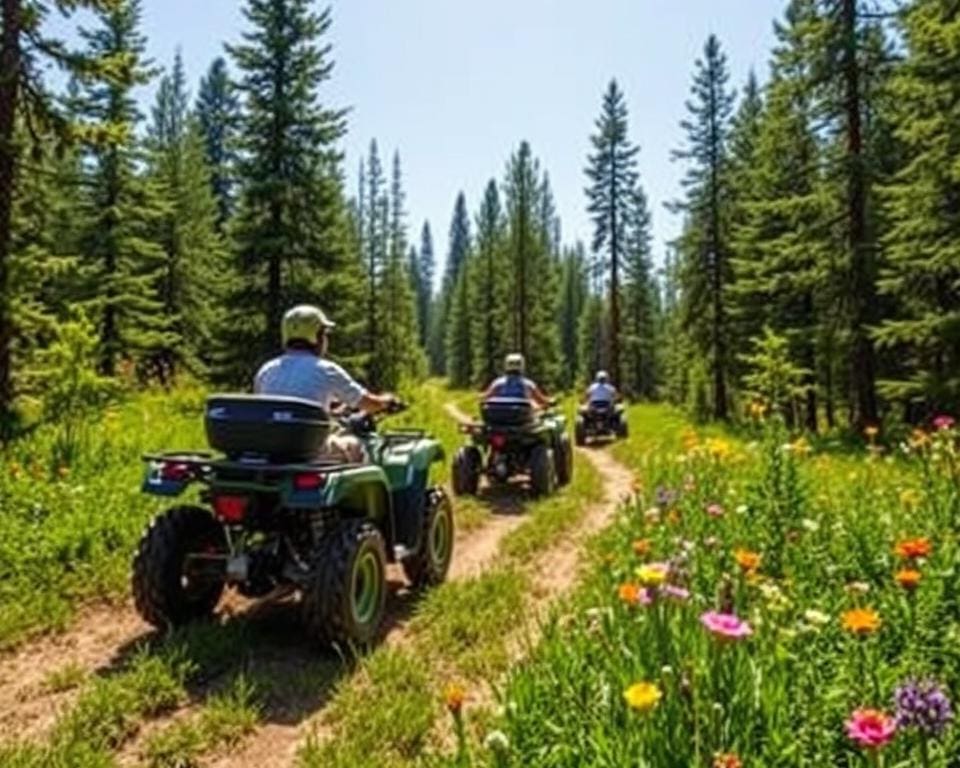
(174, 471)
(498, 440)
(308, 481)
(230, 509)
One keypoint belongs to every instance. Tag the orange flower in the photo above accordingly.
(629, 593)
(641, 547)
(861, 621)
(673, 517)
(453, 697)
(747, 560)
(911, 549)
(908, 578)
(726, 760)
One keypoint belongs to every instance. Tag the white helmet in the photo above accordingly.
(304, 323)
(514, 363)
(602, 377)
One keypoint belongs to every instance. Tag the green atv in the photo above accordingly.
(274, 519)
(513, 439)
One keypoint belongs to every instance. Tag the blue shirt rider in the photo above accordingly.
(513, 384)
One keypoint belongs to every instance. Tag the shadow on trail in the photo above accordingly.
(264, 641)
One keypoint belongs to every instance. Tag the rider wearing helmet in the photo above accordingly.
(601, 391)
(303, 371)
(514, 384)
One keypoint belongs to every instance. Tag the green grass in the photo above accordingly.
(71, 675)
(66, 533)
(385, 714)
(223, 721)
(821, 523)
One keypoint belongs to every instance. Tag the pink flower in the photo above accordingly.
(943, 422)
(726, 626)
(676, 593)
(871, 728)
(715, 510)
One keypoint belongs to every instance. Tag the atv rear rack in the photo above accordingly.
(203, 460)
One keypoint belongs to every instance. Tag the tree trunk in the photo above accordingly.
(716, 273)
(862, 285)
(10, 64)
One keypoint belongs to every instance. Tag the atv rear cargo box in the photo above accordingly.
(507, 412)
(283, 429)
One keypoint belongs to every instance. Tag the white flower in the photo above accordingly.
(810, 525)
(742, 509)
(815, 617)
(497, 742)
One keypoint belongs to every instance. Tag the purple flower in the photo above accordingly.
(676, 593)
(923, 705)
(666, 496)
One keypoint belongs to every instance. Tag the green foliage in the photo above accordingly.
(922, 271)
(217, 111)
(704, 260)
(291, 226)
(73, 394)
(772, 378)
(573, 298)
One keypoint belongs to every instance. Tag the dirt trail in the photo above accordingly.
(102, 637)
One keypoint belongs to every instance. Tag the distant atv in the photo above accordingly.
(513, 439)
(272, 518)
(599, 419)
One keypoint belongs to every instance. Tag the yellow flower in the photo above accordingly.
(652, 574)
(718, 448)
(453, 697)
(747, 560)
(800, 447)
(757, 409)
(642, 696)
(641, 547)
(861, 621)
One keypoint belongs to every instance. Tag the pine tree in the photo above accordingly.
(705, 250)
(491, 290)
(778, 243)
(194, 254)
(456, 256)
(459, 352)
(374, 239)
(425, 267)
(592, 337)
(123, 261)
(850, 63)
(28, 111)
(573, 297)
(532, 317)
(292, 227)
(612, 172)
(922, 274)
(217, 112)
(639, 328)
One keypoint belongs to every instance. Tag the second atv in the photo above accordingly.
(599, 419)
(513, 439)
(271, 518)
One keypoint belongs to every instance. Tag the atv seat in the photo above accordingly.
(508, 412)
(281, 429)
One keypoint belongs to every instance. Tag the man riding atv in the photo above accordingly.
(515, 385)
(518, 434)
(600, 414)
(303, 371)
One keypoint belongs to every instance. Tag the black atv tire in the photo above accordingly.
(429, 565)
(580, 432)
(161, 593)
(329, 607)
(623, 430)
(543, 471)
(465, 472)
(563, 453)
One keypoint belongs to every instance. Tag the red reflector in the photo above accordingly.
(498, 441)
(230, 509)
(308, 481)
(174, 471)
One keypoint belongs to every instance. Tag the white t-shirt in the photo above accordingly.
(298, 373)
(601, 393)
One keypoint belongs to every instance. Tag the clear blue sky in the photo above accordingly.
(456, 84)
